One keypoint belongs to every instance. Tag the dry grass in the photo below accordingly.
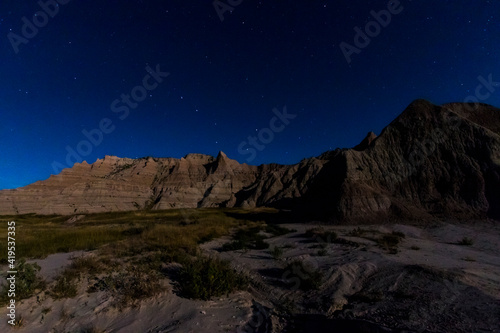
(133, 249)
(42, 235)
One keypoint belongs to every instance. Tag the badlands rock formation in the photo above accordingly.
(430, 161)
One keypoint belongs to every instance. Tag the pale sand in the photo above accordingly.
(469, 303)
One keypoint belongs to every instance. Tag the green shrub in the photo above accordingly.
(398, 234)
(202, 278)
(27, 281)
(129, 286)
(65, 287)
(389, 242)
(322, 252)
(466, 241)
(320, 235)
(246, 239)
(357, 232)
(276, 230)
(300, 275)
(277, 252)
(136, 284)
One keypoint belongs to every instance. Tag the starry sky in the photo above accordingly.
(263, 81)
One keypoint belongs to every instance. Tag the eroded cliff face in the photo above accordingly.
(430, 161)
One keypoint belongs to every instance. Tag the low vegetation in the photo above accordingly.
(130, 285)
(203, 278)
(132, 249)
(389, 242)
(27, 282)
(247, 238)
(466, 241)
(277, 230)
(320, 235)
(277, 252)
(47, 234)
(301, 275)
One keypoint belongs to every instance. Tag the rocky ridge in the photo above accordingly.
(430, 161)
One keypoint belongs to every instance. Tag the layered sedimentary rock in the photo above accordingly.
(430, 161)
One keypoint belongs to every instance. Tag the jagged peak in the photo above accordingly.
(222, 157)
(367, 141)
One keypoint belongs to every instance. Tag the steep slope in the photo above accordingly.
(441, 161)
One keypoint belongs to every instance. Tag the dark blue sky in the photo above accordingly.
(225, 77)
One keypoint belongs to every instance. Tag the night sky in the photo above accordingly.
(79, 70)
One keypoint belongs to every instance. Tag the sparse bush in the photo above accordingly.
(311, 232)
(357, 232)
(64, 288)
(88, 264)
(277, 252)
(27, 281)
(399, 234)
(320, 235)
(136, 284)
(322, 252)
(303, 276)
(277, 230)
(247, 239)
(466, 241)
(129, 286)
(389, 242)
(203, 278)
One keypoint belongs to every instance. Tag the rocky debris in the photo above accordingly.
(440, 161)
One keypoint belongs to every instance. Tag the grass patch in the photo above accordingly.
(65, 287)
(390, 241)
(277, 230)
(48, 234)
(357, 232)
(322, 252)
(277, 252)
(129, 286)
(320, 235)
(247, 238)
(203, 278)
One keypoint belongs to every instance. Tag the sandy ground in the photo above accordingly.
(430, 285)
